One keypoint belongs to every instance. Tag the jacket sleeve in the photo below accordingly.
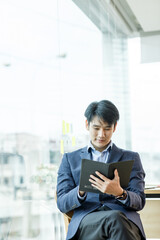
(67, 190)
(135, 189)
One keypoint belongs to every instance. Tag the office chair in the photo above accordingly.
(67, 216)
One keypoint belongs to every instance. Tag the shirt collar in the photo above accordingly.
(91, 148)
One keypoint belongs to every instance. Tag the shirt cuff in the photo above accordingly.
(80, 197)
(123, 201)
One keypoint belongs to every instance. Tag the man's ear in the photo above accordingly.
(87, 124)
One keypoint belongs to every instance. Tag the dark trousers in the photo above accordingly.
(105, 223)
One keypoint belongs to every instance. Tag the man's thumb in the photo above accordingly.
(116, 174)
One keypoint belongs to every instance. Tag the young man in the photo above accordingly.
(113, 213)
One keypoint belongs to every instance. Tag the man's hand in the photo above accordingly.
(105, 185)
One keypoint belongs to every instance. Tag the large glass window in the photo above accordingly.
(145, 105)
(50, 69)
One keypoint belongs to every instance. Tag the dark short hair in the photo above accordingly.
(104, 110)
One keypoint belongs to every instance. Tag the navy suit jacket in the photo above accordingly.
(68, 184)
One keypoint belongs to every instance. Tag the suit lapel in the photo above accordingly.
(85, 154)
(115, 154)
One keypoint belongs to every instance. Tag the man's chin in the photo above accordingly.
(100, 146)
(101, 143)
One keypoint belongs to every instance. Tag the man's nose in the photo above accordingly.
(101, 133)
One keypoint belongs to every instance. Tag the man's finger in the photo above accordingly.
(101, 176)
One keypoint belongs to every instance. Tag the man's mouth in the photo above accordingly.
(100, 140)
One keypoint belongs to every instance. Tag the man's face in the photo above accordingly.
(100, 133)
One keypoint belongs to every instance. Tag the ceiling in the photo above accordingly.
(147, 13)
(132, 17)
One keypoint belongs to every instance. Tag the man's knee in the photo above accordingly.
(118, 218)
(116, 214)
